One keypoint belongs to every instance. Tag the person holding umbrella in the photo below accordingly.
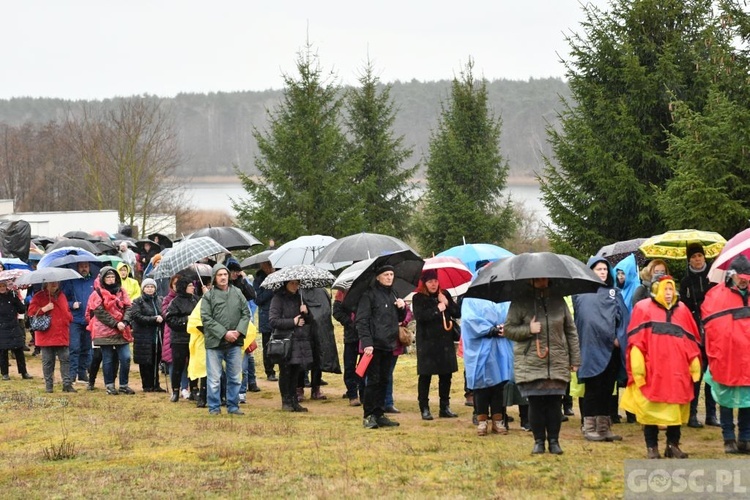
(435, 311)
(54, 341)
(148, 327)
(289, 318)
(379, 313)
(542, 374)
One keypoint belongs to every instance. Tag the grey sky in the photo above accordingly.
(93, 49)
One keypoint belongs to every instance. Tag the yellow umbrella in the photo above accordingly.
(673, 244)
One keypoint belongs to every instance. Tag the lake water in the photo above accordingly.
(219, 196)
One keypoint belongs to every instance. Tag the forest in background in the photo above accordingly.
(214, 131)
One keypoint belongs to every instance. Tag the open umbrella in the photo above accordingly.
(255, 260)
(14, 263)
(471, 253)
(231, 238)
(307, 275)
(303, 250)
(673, 244)
(74, 242)
(109, 260)
(358, 277)
(738, 244)
(162, 239)
(452, 274)
(46, 275)
(78, 235)
(615, 252)
(64, 256)
(360, 246)
(9, 275)
(185, 253)
(503, 280)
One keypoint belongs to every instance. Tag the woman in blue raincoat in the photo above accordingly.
(488, 359)
(601, 319)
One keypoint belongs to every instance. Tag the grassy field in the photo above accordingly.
(93, 445)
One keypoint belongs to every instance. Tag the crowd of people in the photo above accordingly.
(659, 341)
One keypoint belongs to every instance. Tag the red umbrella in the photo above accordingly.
(738, 244)
(453, 275)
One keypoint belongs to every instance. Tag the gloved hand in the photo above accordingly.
(495, 331)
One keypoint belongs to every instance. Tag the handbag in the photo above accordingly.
(456, 331)
(279, 350)
(40, 322)
(404, 336)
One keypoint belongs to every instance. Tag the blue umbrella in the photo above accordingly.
(472, 253)
(65, 256)
(14, 263)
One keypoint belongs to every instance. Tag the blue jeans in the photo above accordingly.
(80, 350)
(122, 352)
(248, 372)
(232, 357)
(389, 387)
(726, 417)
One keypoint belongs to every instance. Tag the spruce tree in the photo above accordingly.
(466, 173)
(611, 153)
(304, 182)
(381, 181)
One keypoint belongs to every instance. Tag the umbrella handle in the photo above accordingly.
(539, 350)
(447, 324)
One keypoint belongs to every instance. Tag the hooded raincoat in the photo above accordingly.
(488, 360)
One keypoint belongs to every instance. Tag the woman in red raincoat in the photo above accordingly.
(663, 362)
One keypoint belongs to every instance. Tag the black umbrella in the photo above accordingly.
(615, 252)
(161, 239)
(42, 240)
(407, 268)
(78, 235)
(140, 244)
(231, 238)
(360, 246)
(74, 242)
(503, 280)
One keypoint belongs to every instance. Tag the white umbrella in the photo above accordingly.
(303, 250)
(47, 275)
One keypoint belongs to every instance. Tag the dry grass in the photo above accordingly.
(142, 445)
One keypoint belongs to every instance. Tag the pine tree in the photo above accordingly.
(466, 173)
(304, 186)
(382, 183)
(611, 153)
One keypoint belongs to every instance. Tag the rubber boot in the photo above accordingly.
(604, 428)
(590, 432)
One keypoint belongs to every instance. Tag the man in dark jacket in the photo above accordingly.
(378, 314)
(263, 298)
(693, 288)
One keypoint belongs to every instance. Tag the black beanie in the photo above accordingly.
(740, 265)
(383, 268)
(694, 248)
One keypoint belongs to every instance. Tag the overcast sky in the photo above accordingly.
(94, 49)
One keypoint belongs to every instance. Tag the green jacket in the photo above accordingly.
(221, 311)
(558, 334)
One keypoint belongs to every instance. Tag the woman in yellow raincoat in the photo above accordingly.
(663, 361)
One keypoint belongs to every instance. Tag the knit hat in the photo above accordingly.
(384, 268)
(146, 282)
(233, 265)
(694, 248)
(429, 274)
(741, 266)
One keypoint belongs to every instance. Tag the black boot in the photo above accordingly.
(445, 410)
(538, 447)
(286, 404)
(200, 401)
(426, 415)
(175, 396)
(554, 447)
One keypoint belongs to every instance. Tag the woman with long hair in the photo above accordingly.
(435, 311)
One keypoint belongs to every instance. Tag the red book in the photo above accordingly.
(364, 362)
